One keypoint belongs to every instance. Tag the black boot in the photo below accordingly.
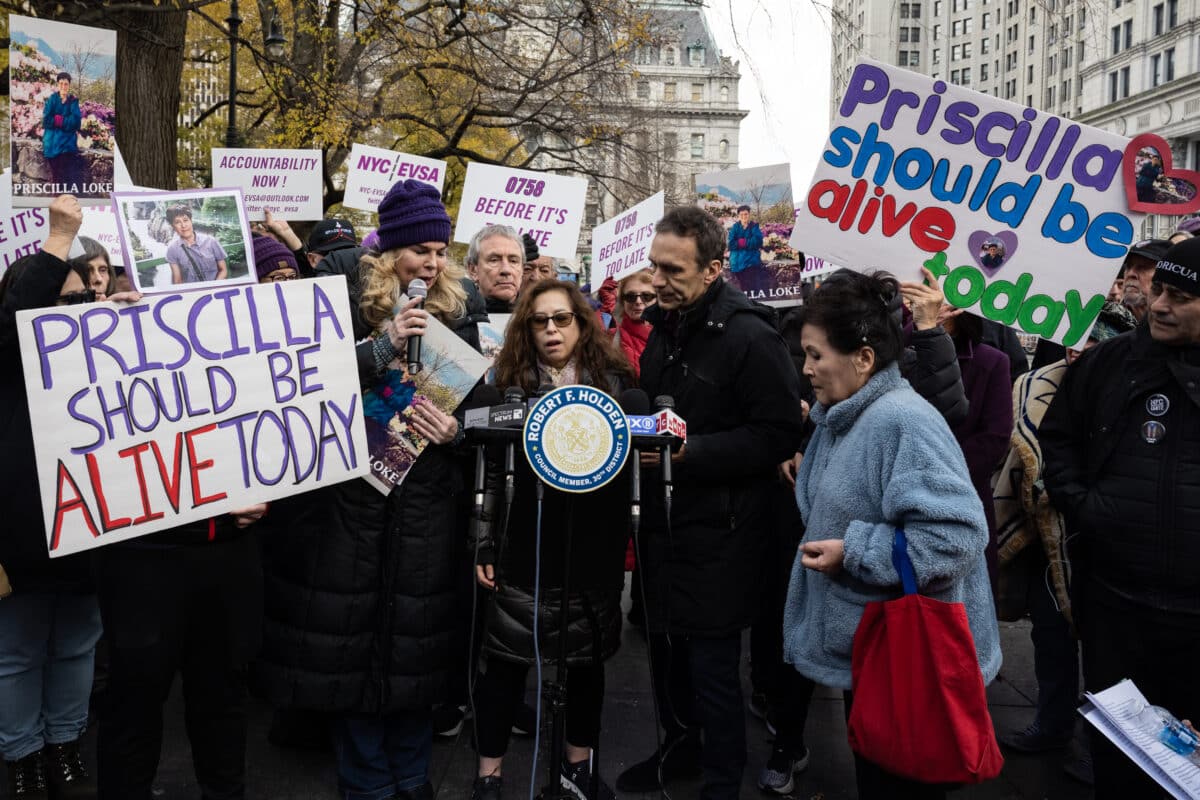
(680, 758)
(66, 774)
(27, 778)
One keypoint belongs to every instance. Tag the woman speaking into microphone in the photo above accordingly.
(553, 339)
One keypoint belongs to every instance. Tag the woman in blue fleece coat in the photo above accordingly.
(881, 458)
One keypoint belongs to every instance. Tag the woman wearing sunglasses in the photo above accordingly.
(635, 293)
(553, 338)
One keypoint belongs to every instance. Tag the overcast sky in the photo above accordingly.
(783, 47)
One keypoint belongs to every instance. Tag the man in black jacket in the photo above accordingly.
(496, 262)
(1121, 443)
(718, 355)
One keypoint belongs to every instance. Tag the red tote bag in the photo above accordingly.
(920, 711)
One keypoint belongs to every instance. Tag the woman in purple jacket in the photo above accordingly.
(985, 432)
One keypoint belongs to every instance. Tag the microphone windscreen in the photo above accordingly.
(417, 288)
(487, 395)
(635, 402)
(514, 394)
(664, 401)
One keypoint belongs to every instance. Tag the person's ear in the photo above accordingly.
(864, 360)
(713, 270)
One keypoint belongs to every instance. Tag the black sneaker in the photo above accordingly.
(66, 776)
(777, 776)
(27, 777)
(448, 720)
(488, 787)
(1034, 740)
(577, 780)
(682, 760)
(525, 723)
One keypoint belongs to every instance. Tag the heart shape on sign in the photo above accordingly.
(992, 251)
(1164, 189)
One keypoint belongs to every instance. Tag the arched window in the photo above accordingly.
(724, 94)
(669, 56)
(724, 148)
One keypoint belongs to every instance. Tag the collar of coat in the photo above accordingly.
(840, 417)
(1148, 358)
(720, 302)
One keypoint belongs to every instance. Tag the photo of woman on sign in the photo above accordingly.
(1147, 174)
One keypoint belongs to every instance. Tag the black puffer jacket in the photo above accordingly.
(360, 586)
(736, 387)
(1135, 504)
(599, 533)
(930, 365)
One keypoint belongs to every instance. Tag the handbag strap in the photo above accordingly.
(902, 563)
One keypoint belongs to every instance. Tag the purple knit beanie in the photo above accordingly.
(412, 213)
(270, 255)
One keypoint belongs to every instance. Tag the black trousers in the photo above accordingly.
(196, 610)
(500, 691)
(698, 684)
(1156, 650)
(876, 784)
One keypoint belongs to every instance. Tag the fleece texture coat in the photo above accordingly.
(881, 459)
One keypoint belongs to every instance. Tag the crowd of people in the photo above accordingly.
(1066, 490)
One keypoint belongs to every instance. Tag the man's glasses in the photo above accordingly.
(563, 319)
(645, 297)
(77, 298)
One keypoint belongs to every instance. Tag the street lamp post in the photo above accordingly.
(234, 21)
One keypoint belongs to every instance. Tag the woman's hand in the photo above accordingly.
(924, 300)
(486, 575)
(245, 517)
(431, 422)
(409, 321)
(789, 468)
(825, 555)
(121, 297)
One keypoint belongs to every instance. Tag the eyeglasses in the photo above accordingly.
(280, 275)
(646, 297)
(77, 298)
(563, 319)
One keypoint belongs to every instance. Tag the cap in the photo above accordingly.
(331, 234)
(1180, 267)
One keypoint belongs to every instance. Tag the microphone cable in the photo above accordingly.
(537, 652)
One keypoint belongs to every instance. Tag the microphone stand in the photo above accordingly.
(556, 689)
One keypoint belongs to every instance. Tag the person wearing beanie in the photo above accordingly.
(1121, 443)
(274, 261)
(496, 262)
(360, 613)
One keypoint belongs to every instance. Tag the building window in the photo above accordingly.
(966, 77)
(1116, 4)
(1066, 91)
(1127, 29)
(937, 8)
(724, 94)
(1155, 70)
(669, 56)
(1169, 58)
(914, 58)
(967, 50)
(983, 72)
(937, 56)
(1158, 18)
(986, 21)
(1049, 96)
(955, 52)
(669, 92)
(723, 148)
(643, 90)
(904, 58)
(937, 32)
(1050, 65)
(916, 10)
(1112, 87)
(985, 46)
(1033, 13)
(696, 55)
(1031, 44)
(904, 36)
(914, 34)
(1116, 39)
(670, 146)
(1029, 74)
(697, 92)
(1124, 82)
(955, 75)
(956, 27)
(697, 145)
(904, 11)
(1172, 13)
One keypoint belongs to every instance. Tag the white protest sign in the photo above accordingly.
(371, 172)
(22, 230)
(1022, 215)
(189, 405)
(815, 265)
(621, 245)
(285, 182)
(547, 206)
(100, 223)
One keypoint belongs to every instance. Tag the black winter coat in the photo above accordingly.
(1135, 504)
(736, 387)
(360, 605)
(31, 282)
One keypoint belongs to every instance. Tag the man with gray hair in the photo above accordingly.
(496, 261)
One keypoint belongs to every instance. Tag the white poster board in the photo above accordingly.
(547, 206)
(285, 182)
(189, 405)
(100, 223)
(621, 245)
(372, 171)
(1022, 215)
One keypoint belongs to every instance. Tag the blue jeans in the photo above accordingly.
(381, 755)
(47, 649)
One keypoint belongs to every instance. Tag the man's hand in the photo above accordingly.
(653, 460)
(924, 300)
(825, 555)
(65, 218)
(245, 517)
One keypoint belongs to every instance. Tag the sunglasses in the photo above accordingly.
(563, 319)
(645, 297)
(77, 298)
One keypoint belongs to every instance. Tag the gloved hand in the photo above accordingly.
(742, 242)
(58, 120)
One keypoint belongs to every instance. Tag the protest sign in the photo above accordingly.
(547, 206)
(198, 237)
(373, 170)
(285, 182)
(62, 123)
(755, 207)
(189, 405)
(100, 223)
(621, 245)
(1021, 214)
(450, 368)
(22, 231)
(815, 265)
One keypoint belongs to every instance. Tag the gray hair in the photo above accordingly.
(487, 232)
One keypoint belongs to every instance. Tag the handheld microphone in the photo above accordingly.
(666, 410)
(487, 395)
(635, 403)
(416, 288)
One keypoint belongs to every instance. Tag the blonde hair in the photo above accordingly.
(381, 290)
(641, 275)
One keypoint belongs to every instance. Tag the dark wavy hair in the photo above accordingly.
(691, 222)
(854, 311)
(91, 249)
(595, 354)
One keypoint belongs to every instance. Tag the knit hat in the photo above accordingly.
(331, 234)
(412, 213)
(1114, 319)
(531, 248)
(1180, 267)
(270, 255)
(1190, 225)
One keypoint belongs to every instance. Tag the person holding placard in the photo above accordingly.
(360, 589)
